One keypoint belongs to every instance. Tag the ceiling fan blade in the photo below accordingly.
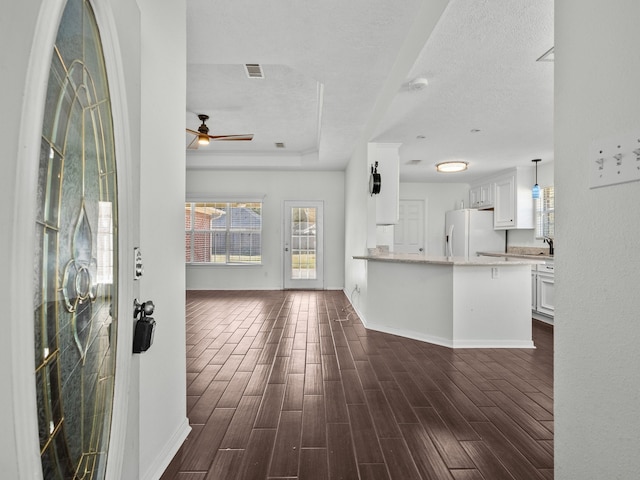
(194, 132)
(194, 144)
(232, 138)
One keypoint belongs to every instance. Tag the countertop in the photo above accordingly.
(542, 257)
(488, 260)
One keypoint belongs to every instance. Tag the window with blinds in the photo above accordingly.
(545, 213)
(227, 233)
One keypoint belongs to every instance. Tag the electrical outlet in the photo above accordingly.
(495, 272)
(614, 160)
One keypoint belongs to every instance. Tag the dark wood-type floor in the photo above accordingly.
(289, 384)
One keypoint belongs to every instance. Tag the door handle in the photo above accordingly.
(145, 325)
(286, 249)
(143, 309)
(421, 249)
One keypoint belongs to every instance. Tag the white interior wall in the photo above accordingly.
(359, 206)
(275, 187)
(162, 413)
(359, 219)
(597, 327)
(440, 198)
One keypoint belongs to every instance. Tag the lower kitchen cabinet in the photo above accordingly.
(542, 298)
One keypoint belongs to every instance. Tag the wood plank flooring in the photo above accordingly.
(290, 385)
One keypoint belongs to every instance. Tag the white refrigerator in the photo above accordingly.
(469, 231)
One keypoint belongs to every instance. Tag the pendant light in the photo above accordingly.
(535, 191)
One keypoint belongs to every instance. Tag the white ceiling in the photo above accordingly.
(327, 63)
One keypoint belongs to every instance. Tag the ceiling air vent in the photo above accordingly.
(414, 162)
(254, 70)
(279, 144)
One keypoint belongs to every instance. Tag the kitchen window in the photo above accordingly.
(545, 213)
(223, 233)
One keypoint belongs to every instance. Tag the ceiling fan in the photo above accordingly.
(202, 136)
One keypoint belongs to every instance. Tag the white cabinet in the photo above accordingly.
(504, 213)
(513, 204)
(542, 288)
(486, 194)
(509, 195)
(481, 196)
(545, 291)
(474, 197)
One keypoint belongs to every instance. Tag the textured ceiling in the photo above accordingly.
(326, 63)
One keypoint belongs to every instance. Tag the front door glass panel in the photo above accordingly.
(75, 269)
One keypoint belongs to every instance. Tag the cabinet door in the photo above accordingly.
(486, 195)
(545, 287)
(474, 197)
(504, 208)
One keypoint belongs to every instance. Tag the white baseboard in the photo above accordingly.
(542, 318)
(164, 457)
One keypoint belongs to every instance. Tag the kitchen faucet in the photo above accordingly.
(549, 240)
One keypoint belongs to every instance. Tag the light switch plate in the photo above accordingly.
(614, 160)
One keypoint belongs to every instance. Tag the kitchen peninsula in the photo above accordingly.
(457, 302)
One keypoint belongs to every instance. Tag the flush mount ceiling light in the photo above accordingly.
(451, 167)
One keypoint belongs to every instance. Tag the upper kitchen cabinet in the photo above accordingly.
(387, 200)
(513, 203)
(481, 196)
(508, 194)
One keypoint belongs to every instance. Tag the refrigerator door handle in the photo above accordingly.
(449, 245)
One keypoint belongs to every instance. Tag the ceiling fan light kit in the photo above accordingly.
(451, 167)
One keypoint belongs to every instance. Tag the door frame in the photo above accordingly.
(287, 282)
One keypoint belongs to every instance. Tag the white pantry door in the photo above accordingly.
(408, 233)
(303, 249)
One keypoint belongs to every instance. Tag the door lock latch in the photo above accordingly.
(145, 325)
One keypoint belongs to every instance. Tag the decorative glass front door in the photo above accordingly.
(76, 256)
